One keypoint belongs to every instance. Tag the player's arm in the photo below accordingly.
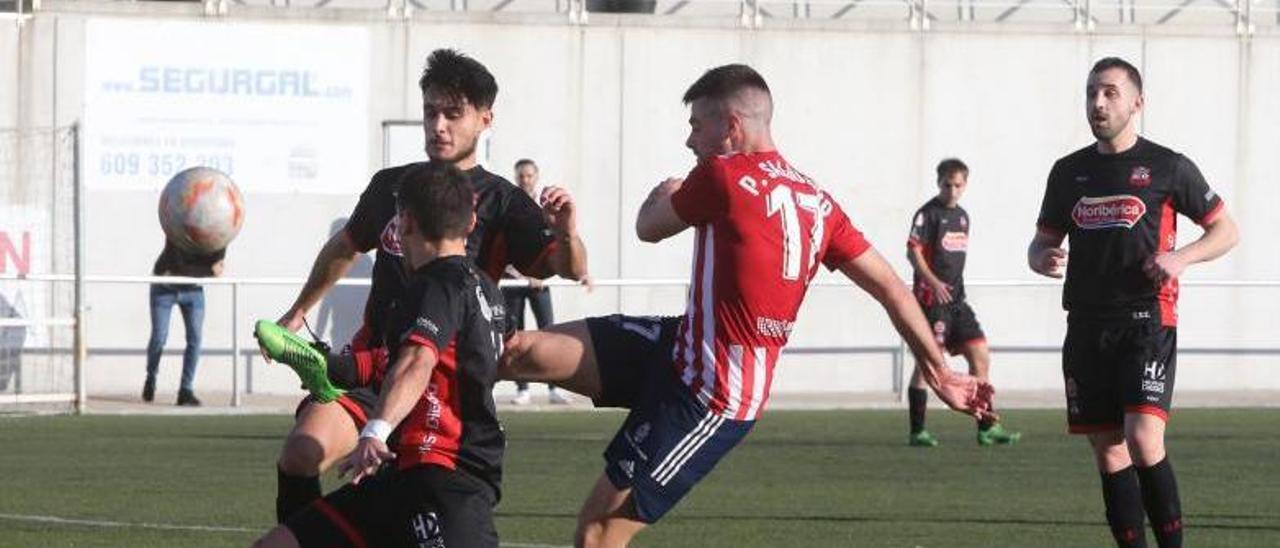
(331, 264)
(915, 255)
(1220, 235)
(569, 257)
(406, 382)
(873, 274)
(658, 219)
(1045, 255)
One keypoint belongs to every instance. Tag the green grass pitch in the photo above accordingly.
(821, 478)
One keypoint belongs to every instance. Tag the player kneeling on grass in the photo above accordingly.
(435, 416)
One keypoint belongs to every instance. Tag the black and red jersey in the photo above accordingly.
(510, 229)
(1117, 211)
(454, 309)
(942, 235)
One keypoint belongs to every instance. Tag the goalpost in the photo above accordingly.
(41, 338)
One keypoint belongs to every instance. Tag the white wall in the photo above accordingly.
(865, 112)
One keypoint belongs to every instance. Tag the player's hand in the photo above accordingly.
(1050, 262)
(589, 283)
(1163, 267)
(942, 292)
(560, 209)
(536, 284)
(967, 394)
(365, 460)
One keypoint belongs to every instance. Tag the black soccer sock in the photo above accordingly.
(917, 400)
(294, 493)
(1123, 497)
(1160, 495)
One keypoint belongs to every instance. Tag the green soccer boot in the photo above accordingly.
(922, 439)
(997, 435)
(310, 364)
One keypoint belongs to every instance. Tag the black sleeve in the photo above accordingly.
(923, 229)
(526, 231)
(1191, 193)
(1054, 214)
(372, 212)
(438, 318)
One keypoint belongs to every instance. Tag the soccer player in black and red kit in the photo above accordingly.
(937, 247)
(458, 95)
(1117, 201)
(443, 331)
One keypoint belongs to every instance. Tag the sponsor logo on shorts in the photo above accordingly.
(1153, 378)
(1140, 177)
(1122, 210)
(426, 530)
(641, 433)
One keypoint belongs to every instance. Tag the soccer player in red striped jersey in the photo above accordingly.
(695, 384)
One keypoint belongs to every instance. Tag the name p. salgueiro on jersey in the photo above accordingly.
(762, 229)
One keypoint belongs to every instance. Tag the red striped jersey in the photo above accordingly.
(761, 230)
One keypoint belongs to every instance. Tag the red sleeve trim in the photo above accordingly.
(1212, 214)
(1148, 410)
(418, 340)
(341, 522)
(914, 243)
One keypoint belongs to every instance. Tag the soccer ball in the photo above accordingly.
(201, 210)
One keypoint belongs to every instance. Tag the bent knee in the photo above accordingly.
(302, 455)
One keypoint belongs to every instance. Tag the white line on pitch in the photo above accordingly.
(174, 527)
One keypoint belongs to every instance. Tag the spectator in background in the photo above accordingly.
(190, 299)
(537, 294)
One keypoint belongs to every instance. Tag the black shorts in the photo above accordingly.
(428, 506)
(357, 402)
(954, 326)
(1111, 370)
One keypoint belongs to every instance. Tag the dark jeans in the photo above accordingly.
(190, 299)
(539, 300)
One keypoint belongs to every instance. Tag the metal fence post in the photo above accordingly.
(82, 345)
(235, 345)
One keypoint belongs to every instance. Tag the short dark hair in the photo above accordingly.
(951, 166)
(525, 162)
(1107, 63)
(455, 74)
(723, 81)
(440, 199)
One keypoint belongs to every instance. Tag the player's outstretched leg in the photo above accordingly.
(279, 344)
(322, 434)
(562, 355)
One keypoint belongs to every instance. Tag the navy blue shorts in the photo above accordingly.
(669, 440)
